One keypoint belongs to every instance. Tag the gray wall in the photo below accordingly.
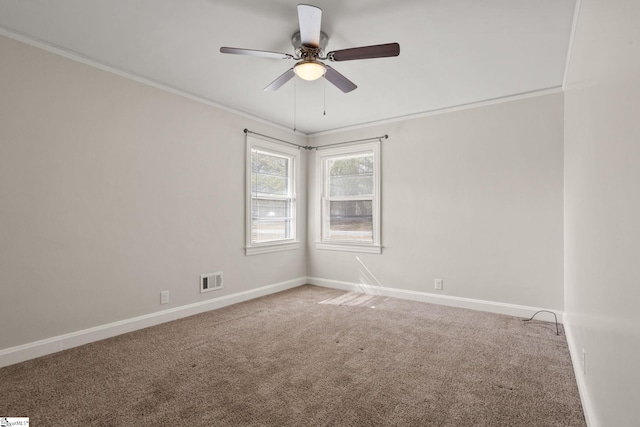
(602, 228)
(472, 196)
(112, 191)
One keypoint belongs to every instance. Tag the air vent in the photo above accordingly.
(210, 282)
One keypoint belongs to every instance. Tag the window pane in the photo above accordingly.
(351, 220)
(270, 230)
(351, 176)
(269, 174)
(271, 220)
(271, 209)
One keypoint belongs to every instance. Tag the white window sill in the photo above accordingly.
(350, 247)
(272, 247)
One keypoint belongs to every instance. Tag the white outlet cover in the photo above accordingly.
(164, 297)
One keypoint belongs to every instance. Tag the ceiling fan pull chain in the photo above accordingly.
(295, 98)
(324, 101)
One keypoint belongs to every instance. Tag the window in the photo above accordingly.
(350, 198)
(272, 171)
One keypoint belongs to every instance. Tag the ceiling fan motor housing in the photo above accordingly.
(309, 52)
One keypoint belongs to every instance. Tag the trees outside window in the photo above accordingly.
(350, 198)
(271, 196)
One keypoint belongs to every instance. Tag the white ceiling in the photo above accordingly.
(452, 52)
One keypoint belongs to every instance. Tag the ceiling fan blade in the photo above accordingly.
(253, 52)
(310, 19)
(338, 80)
(365, 52)
(281, 80)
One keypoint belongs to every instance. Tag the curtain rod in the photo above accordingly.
(373, 138)
(308, 147)
(247, 131)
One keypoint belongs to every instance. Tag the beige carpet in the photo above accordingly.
(308, 357)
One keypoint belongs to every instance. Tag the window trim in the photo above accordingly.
(352, 150)
(292, 243)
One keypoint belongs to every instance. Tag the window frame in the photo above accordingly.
(293, 154)
(323, 157)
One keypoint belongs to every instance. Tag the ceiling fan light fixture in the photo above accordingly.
(309, 70)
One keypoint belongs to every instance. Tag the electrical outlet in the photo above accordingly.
(164, 297)
(438, 284)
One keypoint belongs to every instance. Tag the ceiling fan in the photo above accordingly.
(309, 44)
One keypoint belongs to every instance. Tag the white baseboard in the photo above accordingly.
(576, 360)
(453, 301)
(12, 355)
(21, 353)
